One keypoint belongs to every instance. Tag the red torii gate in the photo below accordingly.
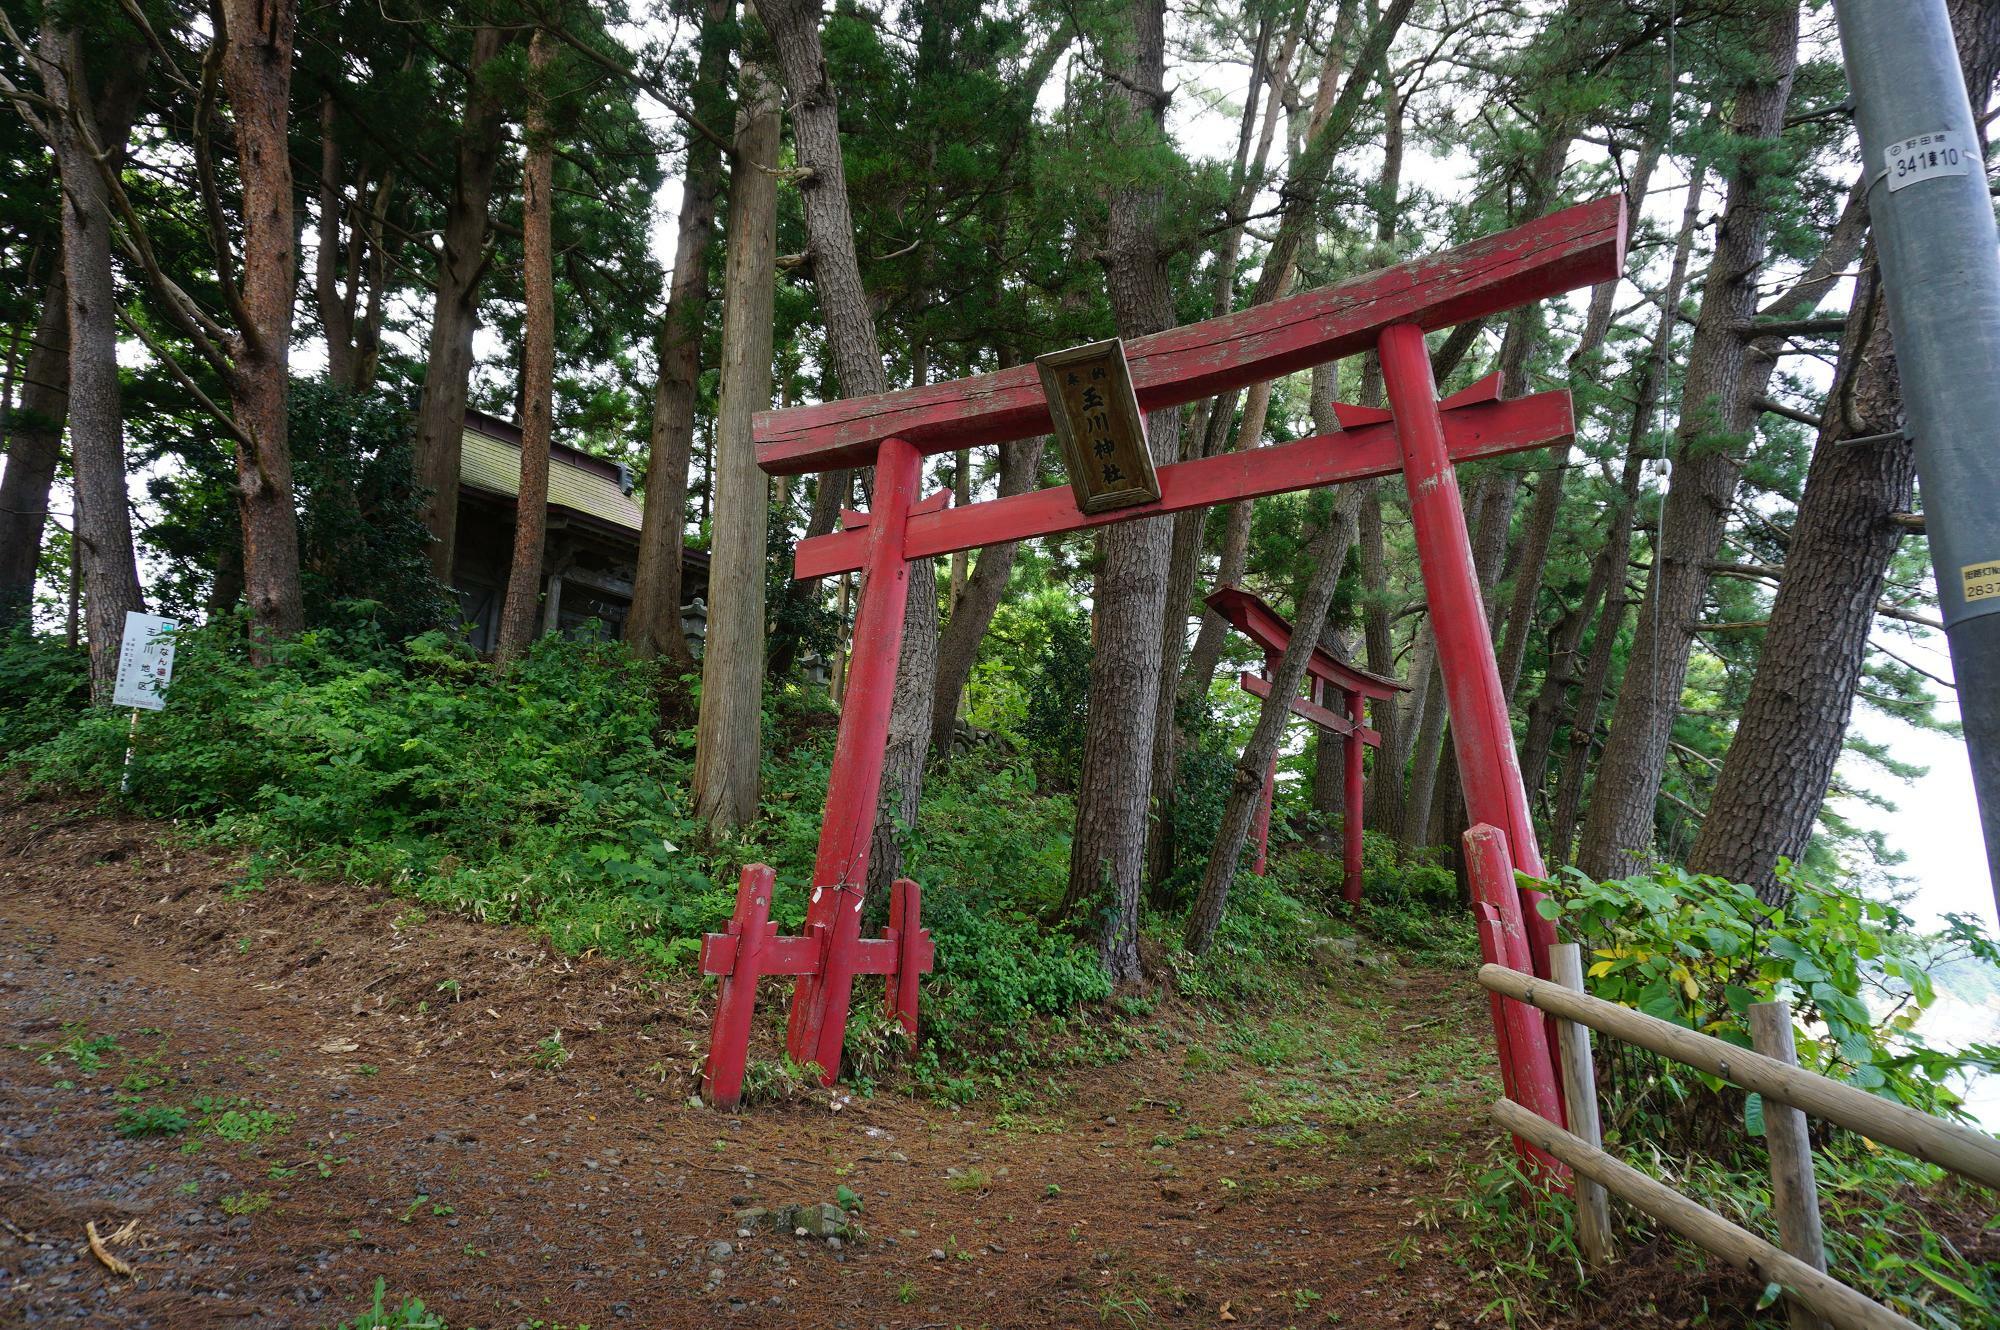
(1388, 312)
(1325, 673)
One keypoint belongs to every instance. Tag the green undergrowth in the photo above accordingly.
(549, 796)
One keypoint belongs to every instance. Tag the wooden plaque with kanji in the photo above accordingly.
(1098, 424)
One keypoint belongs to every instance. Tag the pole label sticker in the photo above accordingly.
(1982, 580)
(1924, 157)
(145, 662)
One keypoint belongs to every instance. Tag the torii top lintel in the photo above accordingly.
(1251, 616)
(1578, 246)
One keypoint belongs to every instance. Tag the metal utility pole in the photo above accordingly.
(1940, 261)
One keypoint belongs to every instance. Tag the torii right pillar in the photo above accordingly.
(1482, 736)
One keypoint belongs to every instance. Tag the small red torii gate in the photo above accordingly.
(1325, 674)
(1388, 312)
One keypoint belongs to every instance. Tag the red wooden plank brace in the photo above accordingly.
(1523, 1037)
(1350, 824)
(914, 953)
(1579, 246)
(1482, 735)
(840, 870)
(1475, 431)
(738, 956)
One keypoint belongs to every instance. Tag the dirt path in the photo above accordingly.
(367, 1093)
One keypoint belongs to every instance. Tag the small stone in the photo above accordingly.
(720, 1251)
(937, 1253)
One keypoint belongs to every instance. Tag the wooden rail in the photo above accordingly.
(1964, 1151)
(1819, 1292)
(1798, 1267)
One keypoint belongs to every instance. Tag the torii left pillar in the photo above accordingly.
(854, 785)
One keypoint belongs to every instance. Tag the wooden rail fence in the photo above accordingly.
(1789, 1092)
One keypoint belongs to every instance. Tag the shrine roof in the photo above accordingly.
(1256, 620)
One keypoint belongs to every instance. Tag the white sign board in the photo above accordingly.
(145, 662)
(1924, 157)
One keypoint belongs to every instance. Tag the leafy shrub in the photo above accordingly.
(541, 795)
(1698, 951)
(362, 541)
(42, 684)
(1032, 682)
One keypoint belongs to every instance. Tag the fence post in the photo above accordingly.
(1794, 1194)
(1593, 1205)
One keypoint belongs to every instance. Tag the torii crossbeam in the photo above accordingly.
(1326, 674)
(1388, 312)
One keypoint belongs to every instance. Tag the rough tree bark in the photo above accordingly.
(519, 613)
(1794, 722)
(257, 74)
(728, 738)
(103, 530)
(1108, 850)
(462, 261)
(34, 450)
(1790, 732)
(1716, 417)
(654, 625)
(849, 321)
(1608, 567)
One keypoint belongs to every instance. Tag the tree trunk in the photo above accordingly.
(1108, 851)
(728, 738)
(1716, 420)
(1794, 721)
(1793, 724)
(538, 362)
(1608, 568)
(972, 613)
(1383, 810)
(337, 313)
(34, 450)
(455, 314)
(1590, 691)
(857, 361)
(1425, 752)
(103, 526)
(1538, 527)
(654, 625)
(1246, 782)
(257, 74)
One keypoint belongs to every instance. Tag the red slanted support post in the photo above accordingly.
(853, 788)
(1482, 735)
(1522, 1036)
(1350, 817)
(737, 956)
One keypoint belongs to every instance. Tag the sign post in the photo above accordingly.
(1934, 235)
(145, 668)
